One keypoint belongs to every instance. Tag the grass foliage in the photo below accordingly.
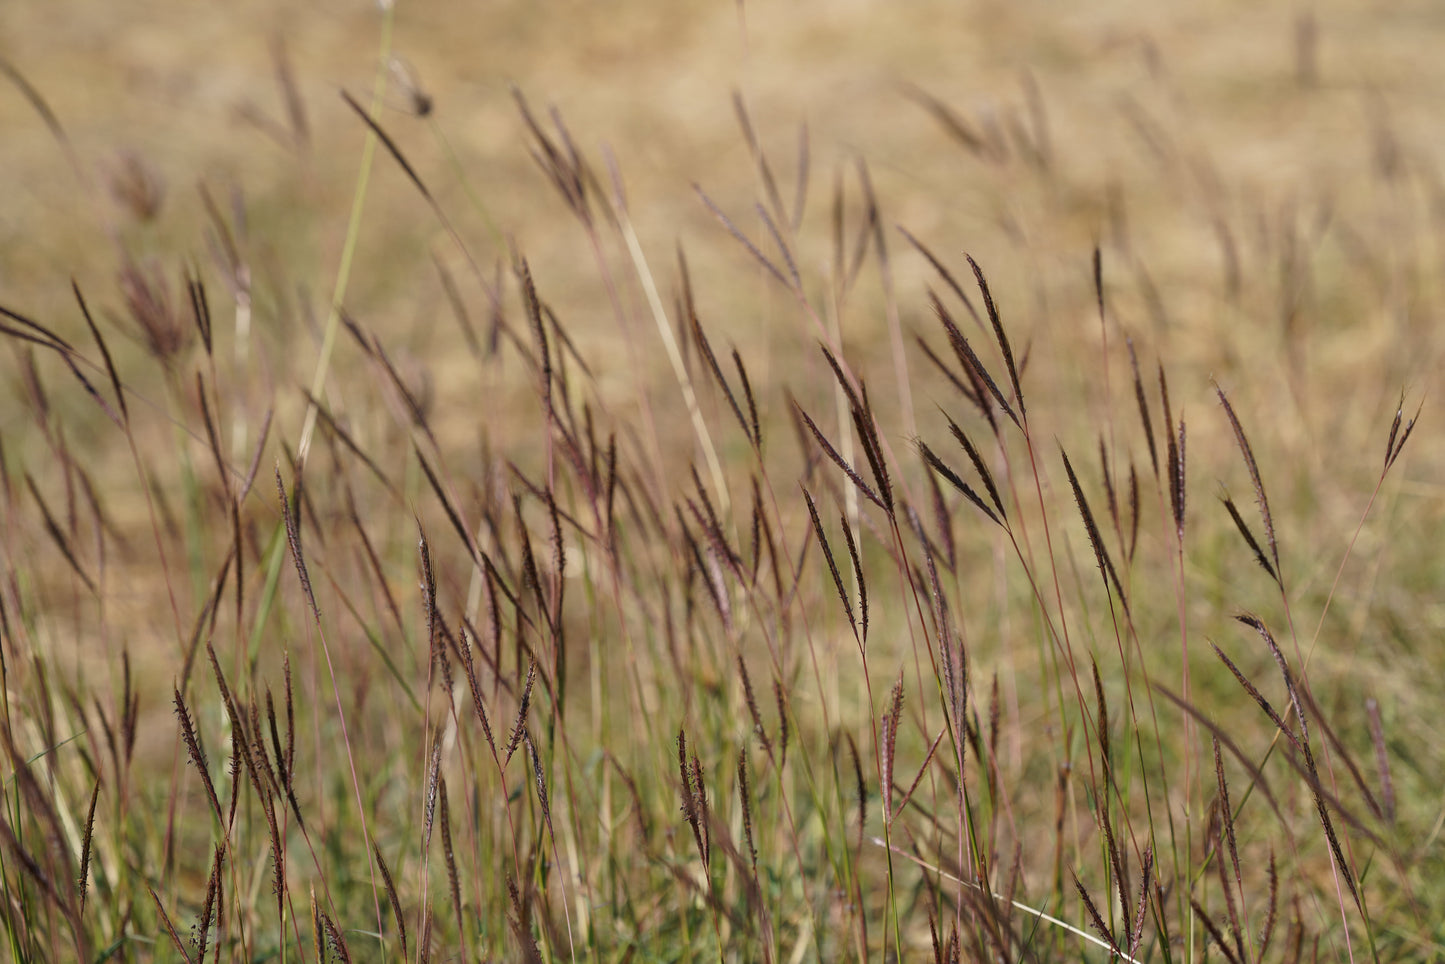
(980, 610)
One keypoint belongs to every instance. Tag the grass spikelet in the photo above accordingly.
(1249, 538)
(741, 238)
(747, 384)
(1226, 815)
(520, 924)
(391, 896)
(752, 705)
(699, 791)
(472, 684)
(1254, 693)
(980, 466)
(1101, 712)
(335, 938)
(210, 910)
(432, 771)
(540, 779)
(1396, 442)
(200, 309)
(745, 798)
(780, 697)
(943, 272)
(691, 808)
(860, 788)
(1142, 909)
(1094, 917)
(942, 520)
(705, 347)
(110, 362)
(858, 573)
(1173, 462)
(998, 332)
(1111, 497)
(293, 539)
(520, 725)
(197, 753)
(970, 361)
(57, 535)
(83, 880)
(867, 428)
(1142, 401)
(941, 467)
(832, 566)
(838, 460)
(449, 852)
(1101, 553)
(765, 172)
(318, 930)
(1304, 746)
(1254, 477)
(892, 719)
(1271, 907)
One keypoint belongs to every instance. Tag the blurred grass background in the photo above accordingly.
(1265, 182)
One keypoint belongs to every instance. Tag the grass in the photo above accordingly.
(1072, 597)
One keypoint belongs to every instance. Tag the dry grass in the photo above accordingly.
(685, 506)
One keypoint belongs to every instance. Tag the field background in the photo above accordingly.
(1265, 183)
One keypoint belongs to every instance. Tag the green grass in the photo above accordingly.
(564, 615)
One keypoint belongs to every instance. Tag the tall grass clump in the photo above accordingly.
(976, 612)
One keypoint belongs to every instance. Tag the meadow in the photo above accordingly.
(721, 481)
